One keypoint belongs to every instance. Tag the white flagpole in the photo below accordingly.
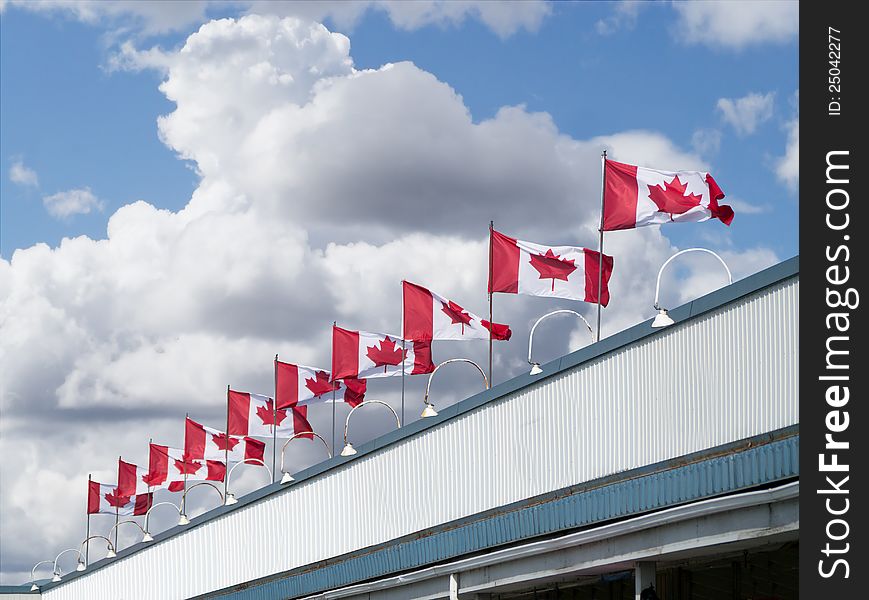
(334, 324)
(225, 447)
(403, 351)
(87, 537)
(184, 457)
(275, 422)
(600, 242)
(117, 513)
(491, 321)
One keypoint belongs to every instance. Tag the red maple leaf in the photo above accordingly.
(320, 384)
(672, 199)
(386, 354)
(269, 416)
(116, 500)
(221, 440)
(456, 314)
(551, 266)
(187, 467)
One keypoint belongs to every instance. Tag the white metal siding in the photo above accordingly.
(728, 375)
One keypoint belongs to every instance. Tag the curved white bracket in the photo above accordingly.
(429, 410)
(33, 586)
(298, 435)
(230, 498)
(183, 508)
(55, 570)
(111, 553)
(547, 315)
(667, 262)
(153, 506)
(350, 414)
(119, 523)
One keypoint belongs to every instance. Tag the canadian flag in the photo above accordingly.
(167, 467)
(205, 443)
(298, 385)
(106, 499)
(428, 316)
(255, 415)
(520, 267)
(361, 355)
(637, 196)
(131, 479)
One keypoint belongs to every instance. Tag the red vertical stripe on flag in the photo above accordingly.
(505, 264)
(418, 319)
(286, 385)
(721, 212)
(422, 362)
(254, 449)
(194, 440)
(300, 421)
(216, 470)
(354, 391)
(592, 266)
(93, 497)
(620, 196)
(126, 478)
(143, 503)
(158, 464)
(239, 413)
(345, 353)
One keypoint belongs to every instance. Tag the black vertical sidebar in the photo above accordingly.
(834, 363)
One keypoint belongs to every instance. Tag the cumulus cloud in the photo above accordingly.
(322, 186)
(787, 167)
(148, 17)
(736, 24)
(624, 16)
(63, 205)
(746, 113)
(23, 175)
(706, 142)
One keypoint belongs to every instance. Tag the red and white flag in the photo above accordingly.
(428, 316)
(362, 355)
(106, 499)
(520, 267)
(131, 479)
(637, 196)
(255, 415)
(205, 443)
(167, 467)
(298, 385)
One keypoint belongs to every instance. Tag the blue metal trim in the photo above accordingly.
(768, 277)
(16, 589)
(762, 460)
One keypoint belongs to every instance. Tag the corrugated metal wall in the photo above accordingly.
(728, 375)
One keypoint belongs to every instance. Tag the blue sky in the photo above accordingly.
(76, 124)
(136, 284)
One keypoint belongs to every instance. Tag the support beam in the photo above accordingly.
(454, 586)
(644, 576)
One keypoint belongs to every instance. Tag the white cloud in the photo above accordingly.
(787, 167)
(503, 17)
(737, 24)
(148, 16)
(624, 16)
(706, 142)
(746, 113)
(23, 175)
(63, 205)
(321, 188)
(749, 208)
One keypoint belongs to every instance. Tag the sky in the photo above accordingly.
(187, 189)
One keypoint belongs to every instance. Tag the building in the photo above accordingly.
(666, 456)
